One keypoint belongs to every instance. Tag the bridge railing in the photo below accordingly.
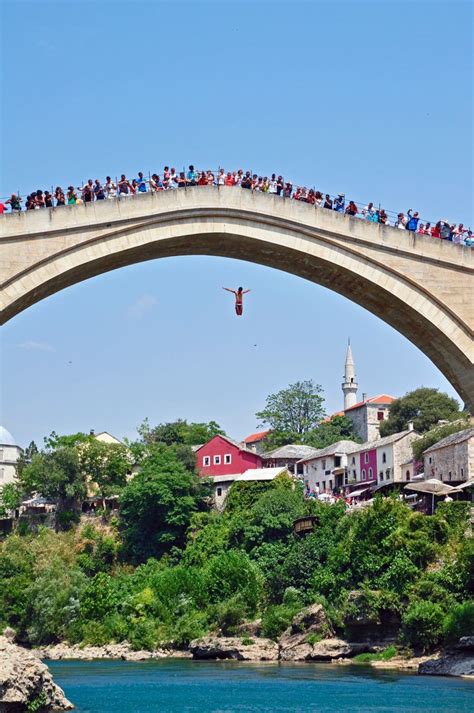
(392, 216)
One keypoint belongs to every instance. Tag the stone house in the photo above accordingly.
(256, 441)
(328, 467)
(452, 458)
(289, 456)
(368, 414)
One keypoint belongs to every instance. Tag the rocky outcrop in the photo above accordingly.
(249, 628)
(308, 626)
(458, 661)
(310, 638)
(325, 650)
(121, 651)
(227, 647)
(367, 621)
(26, 681)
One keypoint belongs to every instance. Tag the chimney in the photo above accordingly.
(410, 426)
(364, 396)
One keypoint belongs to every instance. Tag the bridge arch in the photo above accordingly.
(420, 286)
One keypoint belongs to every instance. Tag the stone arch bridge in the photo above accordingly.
(423, 287)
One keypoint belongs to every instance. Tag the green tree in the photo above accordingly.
(57, 475)
(179, 432)
(10, 498)
(157, 504)
(424, 407)
(25, 456)
(293, 412)
(339, 428)
(105, 465)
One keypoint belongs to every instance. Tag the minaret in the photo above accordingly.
(350, 386)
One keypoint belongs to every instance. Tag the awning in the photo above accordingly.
(463, 486)
(433, 486)
(356, 493)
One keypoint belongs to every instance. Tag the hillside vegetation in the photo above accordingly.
(170, 569)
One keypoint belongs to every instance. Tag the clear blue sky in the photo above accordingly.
(374, 99)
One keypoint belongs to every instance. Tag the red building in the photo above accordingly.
(223, 456)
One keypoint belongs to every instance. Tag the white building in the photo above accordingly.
(384, 461)
(289, 456)
(223, 483)
(9, 454)
(328, 467)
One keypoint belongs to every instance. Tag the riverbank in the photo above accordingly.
(458, 661)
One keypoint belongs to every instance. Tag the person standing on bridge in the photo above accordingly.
(239, 299)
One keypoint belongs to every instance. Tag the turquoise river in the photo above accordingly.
(225, 687)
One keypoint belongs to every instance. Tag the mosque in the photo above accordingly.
(9, 454)
(367, 414)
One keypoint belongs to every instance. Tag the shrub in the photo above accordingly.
(459, 622)
(276, 619)
(422, 625)
(229, 614)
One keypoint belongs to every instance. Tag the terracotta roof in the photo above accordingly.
(333, 415)
(255, 437)
(382, 399)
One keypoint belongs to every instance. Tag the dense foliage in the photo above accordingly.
(424, 407)
(169, 569)
(295, 415)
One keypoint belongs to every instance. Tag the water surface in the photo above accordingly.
(187, 686)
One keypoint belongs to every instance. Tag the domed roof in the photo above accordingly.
(6, 438)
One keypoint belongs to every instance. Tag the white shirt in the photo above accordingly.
(273, 187)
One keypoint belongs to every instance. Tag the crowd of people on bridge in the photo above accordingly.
(171, 179)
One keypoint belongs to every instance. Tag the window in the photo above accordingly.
(366, 457)
(330, 485)
(364, 474)
(217, 460)
(346, 479)
(353, 460)
(449, 475)
(227, 459)
(2, 473)
(387, 473)
(381, 475)
(384, 457)
(407, 475)
(219, 492)
(371, 473)
(462, 472)
(206, 461)
(380, 415)
(324, 464)
(354, 473)
(337, 461)
(430, 460)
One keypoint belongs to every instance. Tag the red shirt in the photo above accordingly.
(2, 208)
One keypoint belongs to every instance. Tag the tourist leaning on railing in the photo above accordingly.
(95, 191)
